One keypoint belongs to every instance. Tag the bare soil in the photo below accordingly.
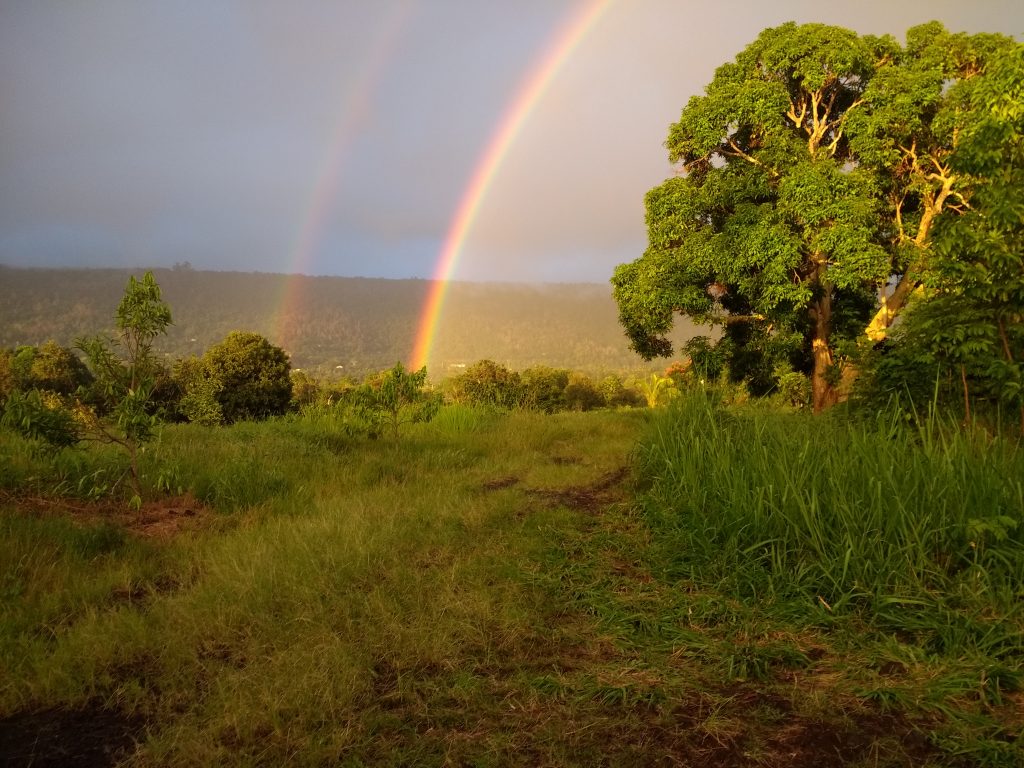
(157, 518)
(85, 738)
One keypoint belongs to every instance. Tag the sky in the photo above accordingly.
(347, 137)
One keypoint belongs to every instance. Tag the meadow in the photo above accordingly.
(703, 584)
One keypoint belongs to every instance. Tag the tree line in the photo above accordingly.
(360, 324)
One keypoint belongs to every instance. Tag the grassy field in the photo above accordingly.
(686, 587)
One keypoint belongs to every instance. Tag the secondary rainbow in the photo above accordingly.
(351, 116)
(529, 94)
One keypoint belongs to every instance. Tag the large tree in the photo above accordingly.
(804, 166)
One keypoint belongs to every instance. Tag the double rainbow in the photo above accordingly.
(350, 117)
(527, 97)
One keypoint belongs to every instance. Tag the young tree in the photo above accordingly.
(126, 383)
(394, 398)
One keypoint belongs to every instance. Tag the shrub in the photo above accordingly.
(198, 402)
(305, 390)
(580, 394)
(252, 377)
(794, 388)
(617, 394)
(487, 383)
(544, 388)
(50, 367)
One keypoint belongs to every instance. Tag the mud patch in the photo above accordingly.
(164, 518)
(85, 738)
(587, 498)
(810, 744)
(500, 482)
(156, 519)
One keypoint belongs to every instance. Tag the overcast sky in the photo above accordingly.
(339, 137)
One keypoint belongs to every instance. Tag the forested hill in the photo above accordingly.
(361, 324)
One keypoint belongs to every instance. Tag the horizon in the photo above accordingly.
(193, 268)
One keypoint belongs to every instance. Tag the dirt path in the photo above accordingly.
(611, 689)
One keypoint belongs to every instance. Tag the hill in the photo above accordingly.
(333, 324)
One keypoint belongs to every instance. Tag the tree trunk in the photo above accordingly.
(823, 393)
(890, 307)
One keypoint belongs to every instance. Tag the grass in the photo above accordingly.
(915, 526)
(900, 550)
(494, 590)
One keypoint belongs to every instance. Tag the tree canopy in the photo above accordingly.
(812, 170)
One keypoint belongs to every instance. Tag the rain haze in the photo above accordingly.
(345, 138)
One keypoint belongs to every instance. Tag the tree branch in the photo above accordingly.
(749, 158)
(798, 120)
(899, 219)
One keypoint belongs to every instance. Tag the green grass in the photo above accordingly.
(901, 549)
(901, 522)
(493, 589)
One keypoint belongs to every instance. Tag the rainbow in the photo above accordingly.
(351, 115)
(526, 99)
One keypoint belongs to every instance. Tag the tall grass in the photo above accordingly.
(911, 525)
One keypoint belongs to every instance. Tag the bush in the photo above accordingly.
(487, 383)
(37, 418)
(544, 388)
(580, 394)
(252, 377)
(51, 368)
(393, 398)
(198, 402)
(616, 394)
(305, 390)
(794, 388)
(708, 360)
